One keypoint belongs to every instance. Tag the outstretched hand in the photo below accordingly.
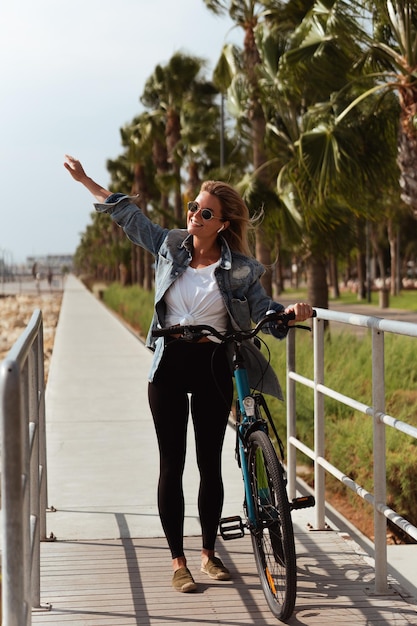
(75, 168)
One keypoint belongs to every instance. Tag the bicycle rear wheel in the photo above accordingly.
(273, 535)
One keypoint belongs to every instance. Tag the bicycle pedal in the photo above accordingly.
(231, 528)
(303, 502)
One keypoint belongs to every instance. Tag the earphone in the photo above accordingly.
(220, 229)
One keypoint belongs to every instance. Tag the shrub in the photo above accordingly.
(133, 304)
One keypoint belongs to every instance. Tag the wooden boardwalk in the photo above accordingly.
(128, 582)
(102, 477)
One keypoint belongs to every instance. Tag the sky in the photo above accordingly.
(71, 75)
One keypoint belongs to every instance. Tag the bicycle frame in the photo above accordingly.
(249, 414)
(244, 392)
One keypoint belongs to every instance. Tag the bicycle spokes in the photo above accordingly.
(272, 532)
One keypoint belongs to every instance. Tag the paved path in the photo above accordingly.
(110, 563)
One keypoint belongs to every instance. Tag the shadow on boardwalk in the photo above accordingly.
(127, 581)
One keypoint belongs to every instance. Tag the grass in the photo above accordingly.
(133, 304)
(406, 299)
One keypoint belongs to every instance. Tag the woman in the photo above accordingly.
(204, 274)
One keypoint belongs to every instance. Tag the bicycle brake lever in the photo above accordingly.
(300, 326)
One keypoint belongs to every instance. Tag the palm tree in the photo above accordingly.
(344, 155)
(198, 148)
(393, 53)
(239, 74)
(138, 141)
(98, 253)
(380, 84)
(166, 93)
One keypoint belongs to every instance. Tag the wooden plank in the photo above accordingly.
(129, 582)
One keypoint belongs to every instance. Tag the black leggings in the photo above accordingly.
(202, 370)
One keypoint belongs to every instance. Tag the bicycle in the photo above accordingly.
(266, 505)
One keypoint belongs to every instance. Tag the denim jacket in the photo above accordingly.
(237, 277)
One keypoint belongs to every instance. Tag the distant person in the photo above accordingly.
(50, 278)
(203, 274)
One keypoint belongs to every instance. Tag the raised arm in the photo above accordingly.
(76, 170)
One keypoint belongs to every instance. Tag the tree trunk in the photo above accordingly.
(193, 181)
(407, 159)
(263, 254)
(317, 290)
(378, 254)
(334, 276)
(394, 254)
(148, 271)
(173, 136)
(132, 264)
(263, 248)
(178, 199)
(361, 238)
(140, 253)
(277, 272)
(361, 269)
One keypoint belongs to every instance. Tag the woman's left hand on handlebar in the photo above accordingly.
(302, 311)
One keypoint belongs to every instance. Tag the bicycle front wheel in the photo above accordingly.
(272, 534)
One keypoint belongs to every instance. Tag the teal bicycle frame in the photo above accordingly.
(248, 417)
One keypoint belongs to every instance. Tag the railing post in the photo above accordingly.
(43, 495)
(12, 497)
(319, 435)
(25, 393)
(291, 417)
(380, 495)
(23, 475)
(33, 424)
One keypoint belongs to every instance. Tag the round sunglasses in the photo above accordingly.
(206, 214)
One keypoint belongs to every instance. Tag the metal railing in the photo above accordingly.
(23, 454)
(23, 473)
(376, 412)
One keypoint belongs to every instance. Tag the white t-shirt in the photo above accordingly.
(195, 298)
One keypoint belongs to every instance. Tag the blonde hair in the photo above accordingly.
(235, 211)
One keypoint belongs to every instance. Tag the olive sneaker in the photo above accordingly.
(215, 569)
(183, 581)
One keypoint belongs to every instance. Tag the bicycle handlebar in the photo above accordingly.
(197, 331)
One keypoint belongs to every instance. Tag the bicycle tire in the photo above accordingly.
(273, 535)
